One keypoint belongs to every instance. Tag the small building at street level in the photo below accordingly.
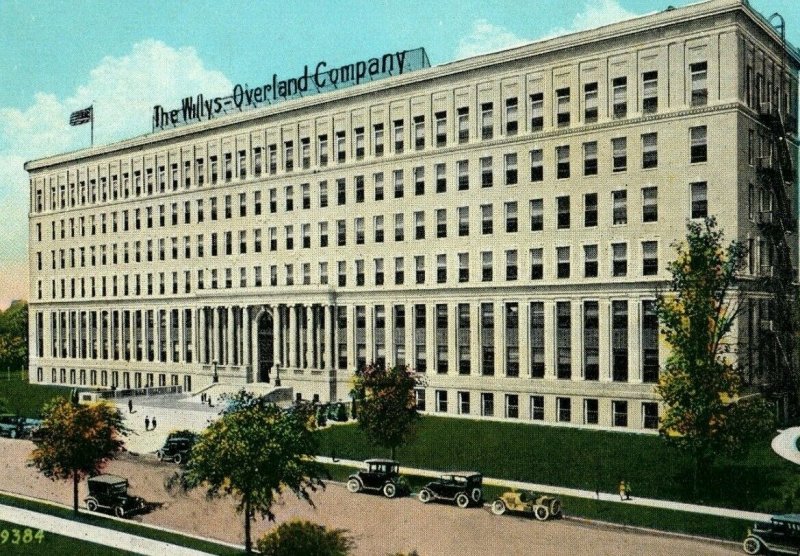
(500, 224)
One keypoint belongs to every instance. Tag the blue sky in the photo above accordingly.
(58, 56)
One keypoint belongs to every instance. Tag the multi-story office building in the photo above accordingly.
(500, 224)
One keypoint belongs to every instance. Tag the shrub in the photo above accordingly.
(322, 416)
(341, 412)
(303, 537)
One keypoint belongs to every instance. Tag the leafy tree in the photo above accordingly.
(14, 336)
(303, 537)
(706, 414)
(387, 408)
(255, 451)
(77, 441)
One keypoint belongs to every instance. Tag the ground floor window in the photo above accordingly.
(537, 408)
(39, 375)
(487, 404)
(590, 411)
(619, 410)
(512, 406)
(650, 415)
(441, 401)
(463, 403)
(419, 395)
(564, 409)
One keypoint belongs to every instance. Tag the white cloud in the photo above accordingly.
(486, 37)
(123, 90)
(595, 13)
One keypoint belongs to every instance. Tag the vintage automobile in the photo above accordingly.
(110, 493)
(381, 475)
(540, 505)
(11, 425)
(177, 447)
(463, 488)
(780, 535)
(30, 427)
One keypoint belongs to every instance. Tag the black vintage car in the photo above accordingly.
(110, 493)
(176, 448)
(381, 475)
(781, 535)
(463, 488)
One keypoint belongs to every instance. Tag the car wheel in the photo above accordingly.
(354, 485)
(555, 507)
(462, 500)
(91, 505)
(424, 496)
(389, 490)
(13, 433)
(160, 455)
(178, 459)
(119, 511)
(541, 513)
(751, 545)
(476, 495)
(498, 507)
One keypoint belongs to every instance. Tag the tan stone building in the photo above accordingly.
(498, 223)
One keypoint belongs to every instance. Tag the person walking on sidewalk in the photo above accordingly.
(624, 490)
(146, 423)
(154, 422)
(130, 406)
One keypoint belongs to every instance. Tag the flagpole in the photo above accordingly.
(91, 121)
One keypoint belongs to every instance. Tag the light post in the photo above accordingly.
(216, 376)
(277, 375)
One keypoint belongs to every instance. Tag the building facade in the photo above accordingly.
(500, 224)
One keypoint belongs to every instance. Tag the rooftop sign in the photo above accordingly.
(315, 79)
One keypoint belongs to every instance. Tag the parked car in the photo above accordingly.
(540, 505)
(781, 534)
(11, 425)
(110, 493)
(30, 427)
(463, 488)
(381, 475)
(177, 447)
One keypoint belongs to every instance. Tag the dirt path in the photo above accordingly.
(379, 526)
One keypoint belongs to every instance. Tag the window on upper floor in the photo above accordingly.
(590, 103)
(699, 82)
(699, 144)
(650, 92)
(620, 97)
(562, 107)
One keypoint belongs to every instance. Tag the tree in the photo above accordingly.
(255, 451)
(76, 441)
(387, 408)
(303, 537)
(14, 336)
(706, 414)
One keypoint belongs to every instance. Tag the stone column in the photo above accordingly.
(576, 343)
(202, 336)
(604, 352)
(182, 335)
(549, 339)
(524, 342)
(214, 327)
(230, 348)
(246, 338)
(309, 333)
(452, 338)
(475, 337)
(277, 327)
(634, 346)
(388, 336)
(499, 339)
(332, 335)
(350, 336)
(369, 333)
(291, 319)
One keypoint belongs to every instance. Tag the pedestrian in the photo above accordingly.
(623, 488)
(203, 397)
(154, 422)
(209, 402)
(130, 406)
(627, 490)
(146, 423)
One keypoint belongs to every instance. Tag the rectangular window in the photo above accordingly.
(322, 149)
(591, 340)
(562, 212)
(486, 266)
(512, 406)
(562, 258)
(511, 217)
(420, 325)
(590, 103)
(619, 266)
(379, 272)
(511, 168)
(620, 97)
(650, 92)
(619, 410)
(486, 220)
(441, 269)
(305, 152)
(699, 77)
(537, 408)
(650, 332)
(463, 403)
(699, 193)
(487, 120)
(649, 204)
(398, 184)
(378, 225)
(323, 234)
(487, 404)
(699, 144)
(377, 139)
(442, 363)
(537, 263)
(462, 168)
(650, 415)
(590, 158)
(378, 179)
(619, 341)
(398, 136)
(487, 177)
(511, 116)
(512, 339)
(619, 203)
(537, 215)
(419, 225)
(487, 339)
(419, 133)
(649, 258)
(649, 150)
(441, 401)
(463, 267)
(619, 149)
(399, 271)
(305, 190)
(590, 261)
(537, 165)
(399, 227)
(463, 339)
(359, 139)
(463, 125)
(590, 210)
(564, 409)
(341, 191)
(441, 129)
(590, 411)
(441, 177)
(359, 268)
(562, 107)
(537, 111)
(441, 223)
(511, 265)
(562, 159)
(359, 188)
(341, 147)
(419, 269)
(463, 221)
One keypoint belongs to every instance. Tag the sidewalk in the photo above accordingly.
(578, 493)
(93, 533)
(785, 444)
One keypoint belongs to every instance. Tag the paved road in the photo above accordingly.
(379, 526)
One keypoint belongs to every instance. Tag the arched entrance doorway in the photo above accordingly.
(266, 337)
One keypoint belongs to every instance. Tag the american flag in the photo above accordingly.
(81, 116)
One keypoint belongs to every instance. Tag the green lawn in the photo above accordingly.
(48, 543)
(579, 458)
(27, 399)
(124, 526)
